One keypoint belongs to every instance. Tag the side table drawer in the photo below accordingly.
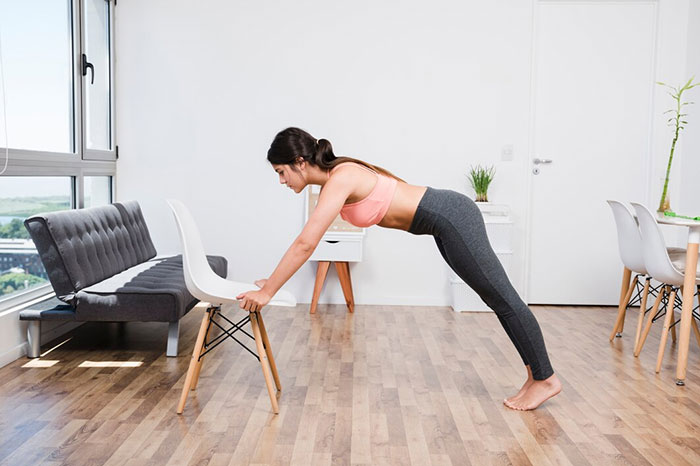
(338, 251)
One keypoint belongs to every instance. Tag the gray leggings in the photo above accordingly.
(458, 227)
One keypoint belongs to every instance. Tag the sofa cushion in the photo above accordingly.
(82, 247)
(137, 228)
(152, 291)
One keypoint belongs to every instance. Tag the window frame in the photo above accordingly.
(95, 154)
(80, 162)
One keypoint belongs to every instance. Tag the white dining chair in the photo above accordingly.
(629, 243)
(668, 269)
(216, 291)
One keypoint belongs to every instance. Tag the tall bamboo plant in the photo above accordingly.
(679, 123)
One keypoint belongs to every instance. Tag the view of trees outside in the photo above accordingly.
(22, 197)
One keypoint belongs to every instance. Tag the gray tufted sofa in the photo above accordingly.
(102, 264)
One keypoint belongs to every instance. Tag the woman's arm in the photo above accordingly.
(330, 201)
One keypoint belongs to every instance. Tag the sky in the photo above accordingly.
(37, 69)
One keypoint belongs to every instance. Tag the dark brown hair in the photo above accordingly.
(292, 143)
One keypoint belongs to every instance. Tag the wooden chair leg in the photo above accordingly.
(626, 278)
(268, 351)
(200, 360)
(343, 269)
(321, 273)
(647, 327)
(621, 310)
(642, 308)
(193, 362)
(673, 332)
(695, 330)
(664, 334)
(264, 361)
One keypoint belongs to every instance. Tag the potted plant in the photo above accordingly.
(480, 178)
(676, 120)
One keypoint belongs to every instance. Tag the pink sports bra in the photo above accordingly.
(370, 210)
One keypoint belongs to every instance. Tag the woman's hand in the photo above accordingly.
(253, 301)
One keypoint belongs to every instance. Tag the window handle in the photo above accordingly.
(86, 65)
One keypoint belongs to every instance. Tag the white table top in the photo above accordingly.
(685, 222)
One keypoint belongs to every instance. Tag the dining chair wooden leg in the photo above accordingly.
(695, 330)
(673, 332)
(264, 362)
(321, 273)
(647, 327)
(193, 362)
(343, 270)
(268, 351)
(626, 278)
(621, 310)
(200, 359)
(642, 309)
(664, 333)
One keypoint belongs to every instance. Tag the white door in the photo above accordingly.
(593, 82)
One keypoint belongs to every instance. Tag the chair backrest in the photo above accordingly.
(200, 279)
(629, 239)
(194, 259)
(654, 249)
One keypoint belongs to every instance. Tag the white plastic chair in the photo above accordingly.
(207, 286)
(629, 241)
(660, 265)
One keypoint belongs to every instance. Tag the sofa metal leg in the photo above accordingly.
(173, 335)
(34, 338)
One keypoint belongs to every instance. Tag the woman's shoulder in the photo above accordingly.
(345, 165)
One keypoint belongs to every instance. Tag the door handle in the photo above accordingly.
(538, 161)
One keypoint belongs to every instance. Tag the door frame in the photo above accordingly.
(527, 170)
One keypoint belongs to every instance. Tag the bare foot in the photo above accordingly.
(536, 394)
(524, 388)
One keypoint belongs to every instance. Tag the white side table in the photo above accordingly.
(499, 228)
(342, 244)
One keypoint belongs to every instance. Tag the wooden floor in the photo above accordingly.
(385, 385)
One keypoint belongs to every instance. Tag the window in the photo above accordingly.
(21, 197)
(58, 68)
(98, 190)
(98, 81)
(37, 55)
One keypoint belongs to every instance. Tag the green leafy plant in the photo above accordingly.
(480, 179)
(677, 121)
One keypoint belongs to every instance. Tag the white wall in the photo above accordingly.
(423, 89)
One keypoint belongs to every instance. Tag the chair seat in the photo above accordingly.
(678, 261)
(153, 291)
(221, 290)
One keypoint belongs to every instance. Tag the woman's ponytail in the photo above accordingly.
(324, 155)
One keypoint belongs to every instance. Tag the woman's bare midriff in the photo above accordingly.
(403, 206)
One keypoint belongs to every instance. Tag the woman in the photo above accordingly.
(367, 195)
